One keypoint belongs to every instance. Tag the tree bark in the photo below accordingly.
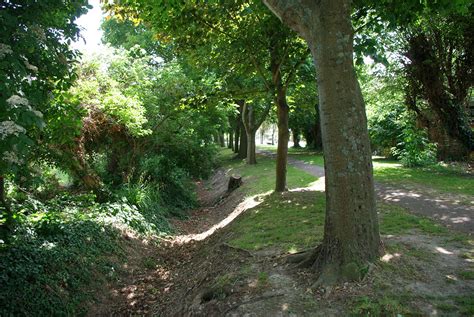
(283, 138)
(242, 144)
(318, 139)
(296, 138)
(230, 144)
(248, 119)
(242, 154)
(282, 119)
(313, 133)
(446, 116)
(237, 135)
(221, 139)
(273, 134)
(351, 235)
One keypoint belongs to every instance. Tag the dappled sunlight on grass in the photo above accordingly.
(387, 257)
(318, 185)
(440, 177)
(397, 220)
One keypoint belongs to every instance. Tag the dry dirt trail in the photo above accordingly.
(445, 209)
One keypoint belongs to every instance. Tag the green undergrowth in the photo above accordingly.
(442, 177)
(62, 251)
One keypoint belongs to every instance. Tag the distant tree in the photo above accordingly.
(242, 39)
(434, 44)
(127, 34)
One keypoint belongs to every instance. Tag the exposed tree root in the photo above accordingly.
(328, 265)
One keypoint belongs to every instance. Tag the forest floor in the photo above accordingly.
(229, 258)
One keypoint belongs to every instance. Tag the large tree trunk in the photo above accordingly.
(351, 235)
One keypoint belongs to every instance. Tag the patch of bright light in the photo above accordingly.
(443, 250)
(388, 257)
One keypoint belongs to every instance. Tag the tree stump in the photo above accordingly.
(234, 183)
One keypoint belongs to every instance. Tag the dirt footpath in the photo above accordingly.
(445, 209)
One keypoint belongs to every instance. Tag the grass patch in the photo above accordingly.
(260, 178)
(289, 222)
(385, 306)
(439, 177)
(463, 305)
(466, 275)
(396, 220)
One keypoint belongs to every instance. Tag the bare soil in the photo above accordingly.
(198, 274)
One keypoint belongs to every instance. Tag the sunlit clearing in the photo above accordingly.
(388, 257)
(317, 185)
(284, 307)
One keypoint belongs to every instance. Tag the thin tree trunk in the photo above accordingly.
(3, 201)
(221, 139)
(230, 144)
(248, 119)
(251, 148)
(237, 138)
(283, 138)
(273, 134)
(296, 139)
(282, 116)
(243, 144)
(351, 235)
(262, 136)
(242, 154)
(318, 139)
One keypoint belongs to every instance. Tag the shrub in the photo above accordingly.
(415, 149)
